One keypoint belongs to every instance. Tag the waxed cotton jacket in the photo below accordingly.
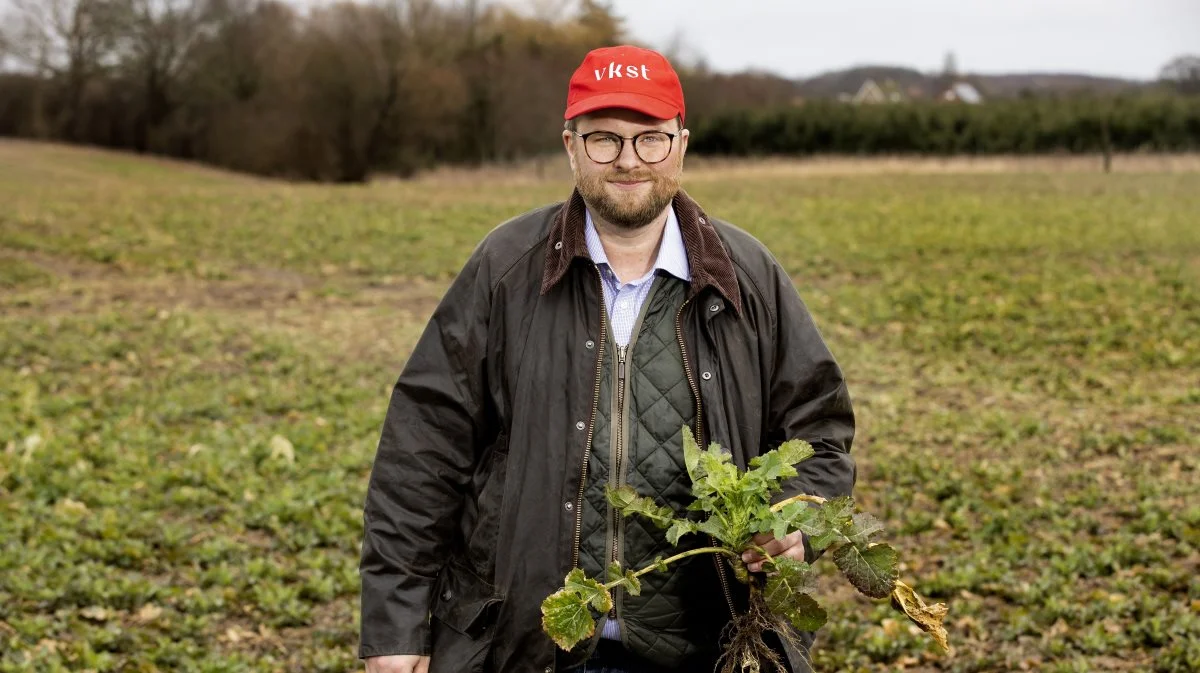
(472, 510)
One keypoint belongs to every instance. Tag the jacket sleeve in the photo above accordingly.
(436, 418)
(809, 400)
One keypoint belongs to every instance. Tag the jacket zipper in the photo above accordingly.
(587, 449)
(699, 433)
(618, 468)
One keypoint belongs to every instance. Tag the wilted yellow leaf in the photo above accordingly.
(149, 613)
(32, 442)
(68, 505)
(928, 617)
(282, 448)
(96, 613)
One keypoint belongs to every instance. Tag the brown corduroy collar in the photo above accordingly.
(709, 262)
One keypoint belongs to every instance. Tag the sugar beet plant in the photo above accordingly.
(734, 507)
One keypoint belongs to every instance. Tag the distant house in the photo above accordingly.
(871, 93)
(962, 92)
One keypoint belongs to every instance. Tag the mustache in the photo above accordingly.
(628, 177)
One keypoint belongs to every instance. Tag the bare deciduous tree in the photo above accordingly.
(155, 36)
(1184, 73)
(67, 42)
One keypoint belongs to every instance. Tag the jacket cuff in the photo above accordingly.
(410, 647)
(395, 616)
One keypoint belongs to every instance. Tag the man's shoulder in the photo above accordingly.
(516, 238)
(747, 253)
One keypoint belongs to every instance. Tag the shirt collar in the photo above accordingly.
(672, 255)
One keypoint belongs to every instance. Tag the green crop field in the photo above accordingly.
(194, 367)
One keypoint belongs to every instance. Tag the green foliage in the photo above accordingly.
(737, 505)
(872, 570)
(627, 500)
(1162, 123)
(628, 579)
(566, 614)
(789, 593)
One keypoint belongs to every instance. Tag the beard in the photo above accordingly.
(628, 211)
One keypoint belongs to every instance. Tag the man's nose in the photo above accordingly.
(628, 158)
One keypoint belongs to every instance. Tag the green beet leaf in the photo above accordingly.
(632, 583)
(779, 464)
(795, 576)
(864, 527)
(680, 528)
(614, 572)
(691, 455)
(626, 579)
(788, 594)
(628, 502)
(872, 570)
(839, 513)
(566, 616)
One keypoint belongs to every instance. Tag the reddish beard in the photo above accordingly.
(628, 211)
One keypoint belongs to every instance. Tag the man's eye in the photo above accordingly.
(604, 140)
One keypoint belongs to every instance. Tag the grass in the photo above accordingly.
(196, 366)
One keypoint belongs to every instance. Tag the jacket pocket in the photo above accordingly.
(483, 536)
(462, 621)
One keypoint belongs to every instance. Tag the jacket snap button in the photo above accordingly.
(714, 308)
(549, 669)
(558, 245)
(590, 344)
(580, 425)
(706, 375)
(569, 506)
(447, 595)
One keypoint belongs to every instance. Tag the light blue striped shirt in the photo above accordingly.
(624, 300)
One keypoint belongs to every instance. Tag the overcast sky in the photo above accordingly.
(797, 38)
(801, 38)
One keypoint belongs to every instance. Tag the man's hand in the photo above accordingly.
(398, 663)
(791, 546)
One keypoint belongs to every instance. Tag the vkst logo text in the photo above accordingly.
(615, 70)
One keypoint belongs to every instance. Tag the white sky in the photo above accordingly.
(801, 38)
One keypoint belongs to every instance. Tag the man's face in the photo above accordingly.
(628, 192)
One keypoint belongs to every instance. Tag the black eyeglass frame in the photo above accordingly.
(670, 145)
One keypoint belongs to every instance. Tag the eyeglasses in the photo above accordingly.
(603, 147)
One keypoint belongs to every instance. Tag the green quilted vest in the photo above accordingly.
(645, 400)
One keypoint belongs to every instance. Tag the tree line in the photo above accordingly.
(334, 93)
(344, 91)
(1151, 122)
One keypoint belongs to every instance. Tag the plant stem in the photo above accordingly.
(677, 557)
(816, 499)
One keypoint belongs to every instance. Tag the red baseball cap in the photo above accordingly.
(625, 77)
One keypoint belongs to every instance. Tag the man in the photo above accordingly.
(571, 350)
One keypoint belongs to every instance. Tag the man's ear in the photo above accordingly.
(684, 134)
(567, 138)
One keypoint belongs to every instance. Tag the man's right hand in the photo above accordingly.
(398, 663)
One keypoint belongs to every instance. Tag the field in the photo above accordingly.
(194, 367)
